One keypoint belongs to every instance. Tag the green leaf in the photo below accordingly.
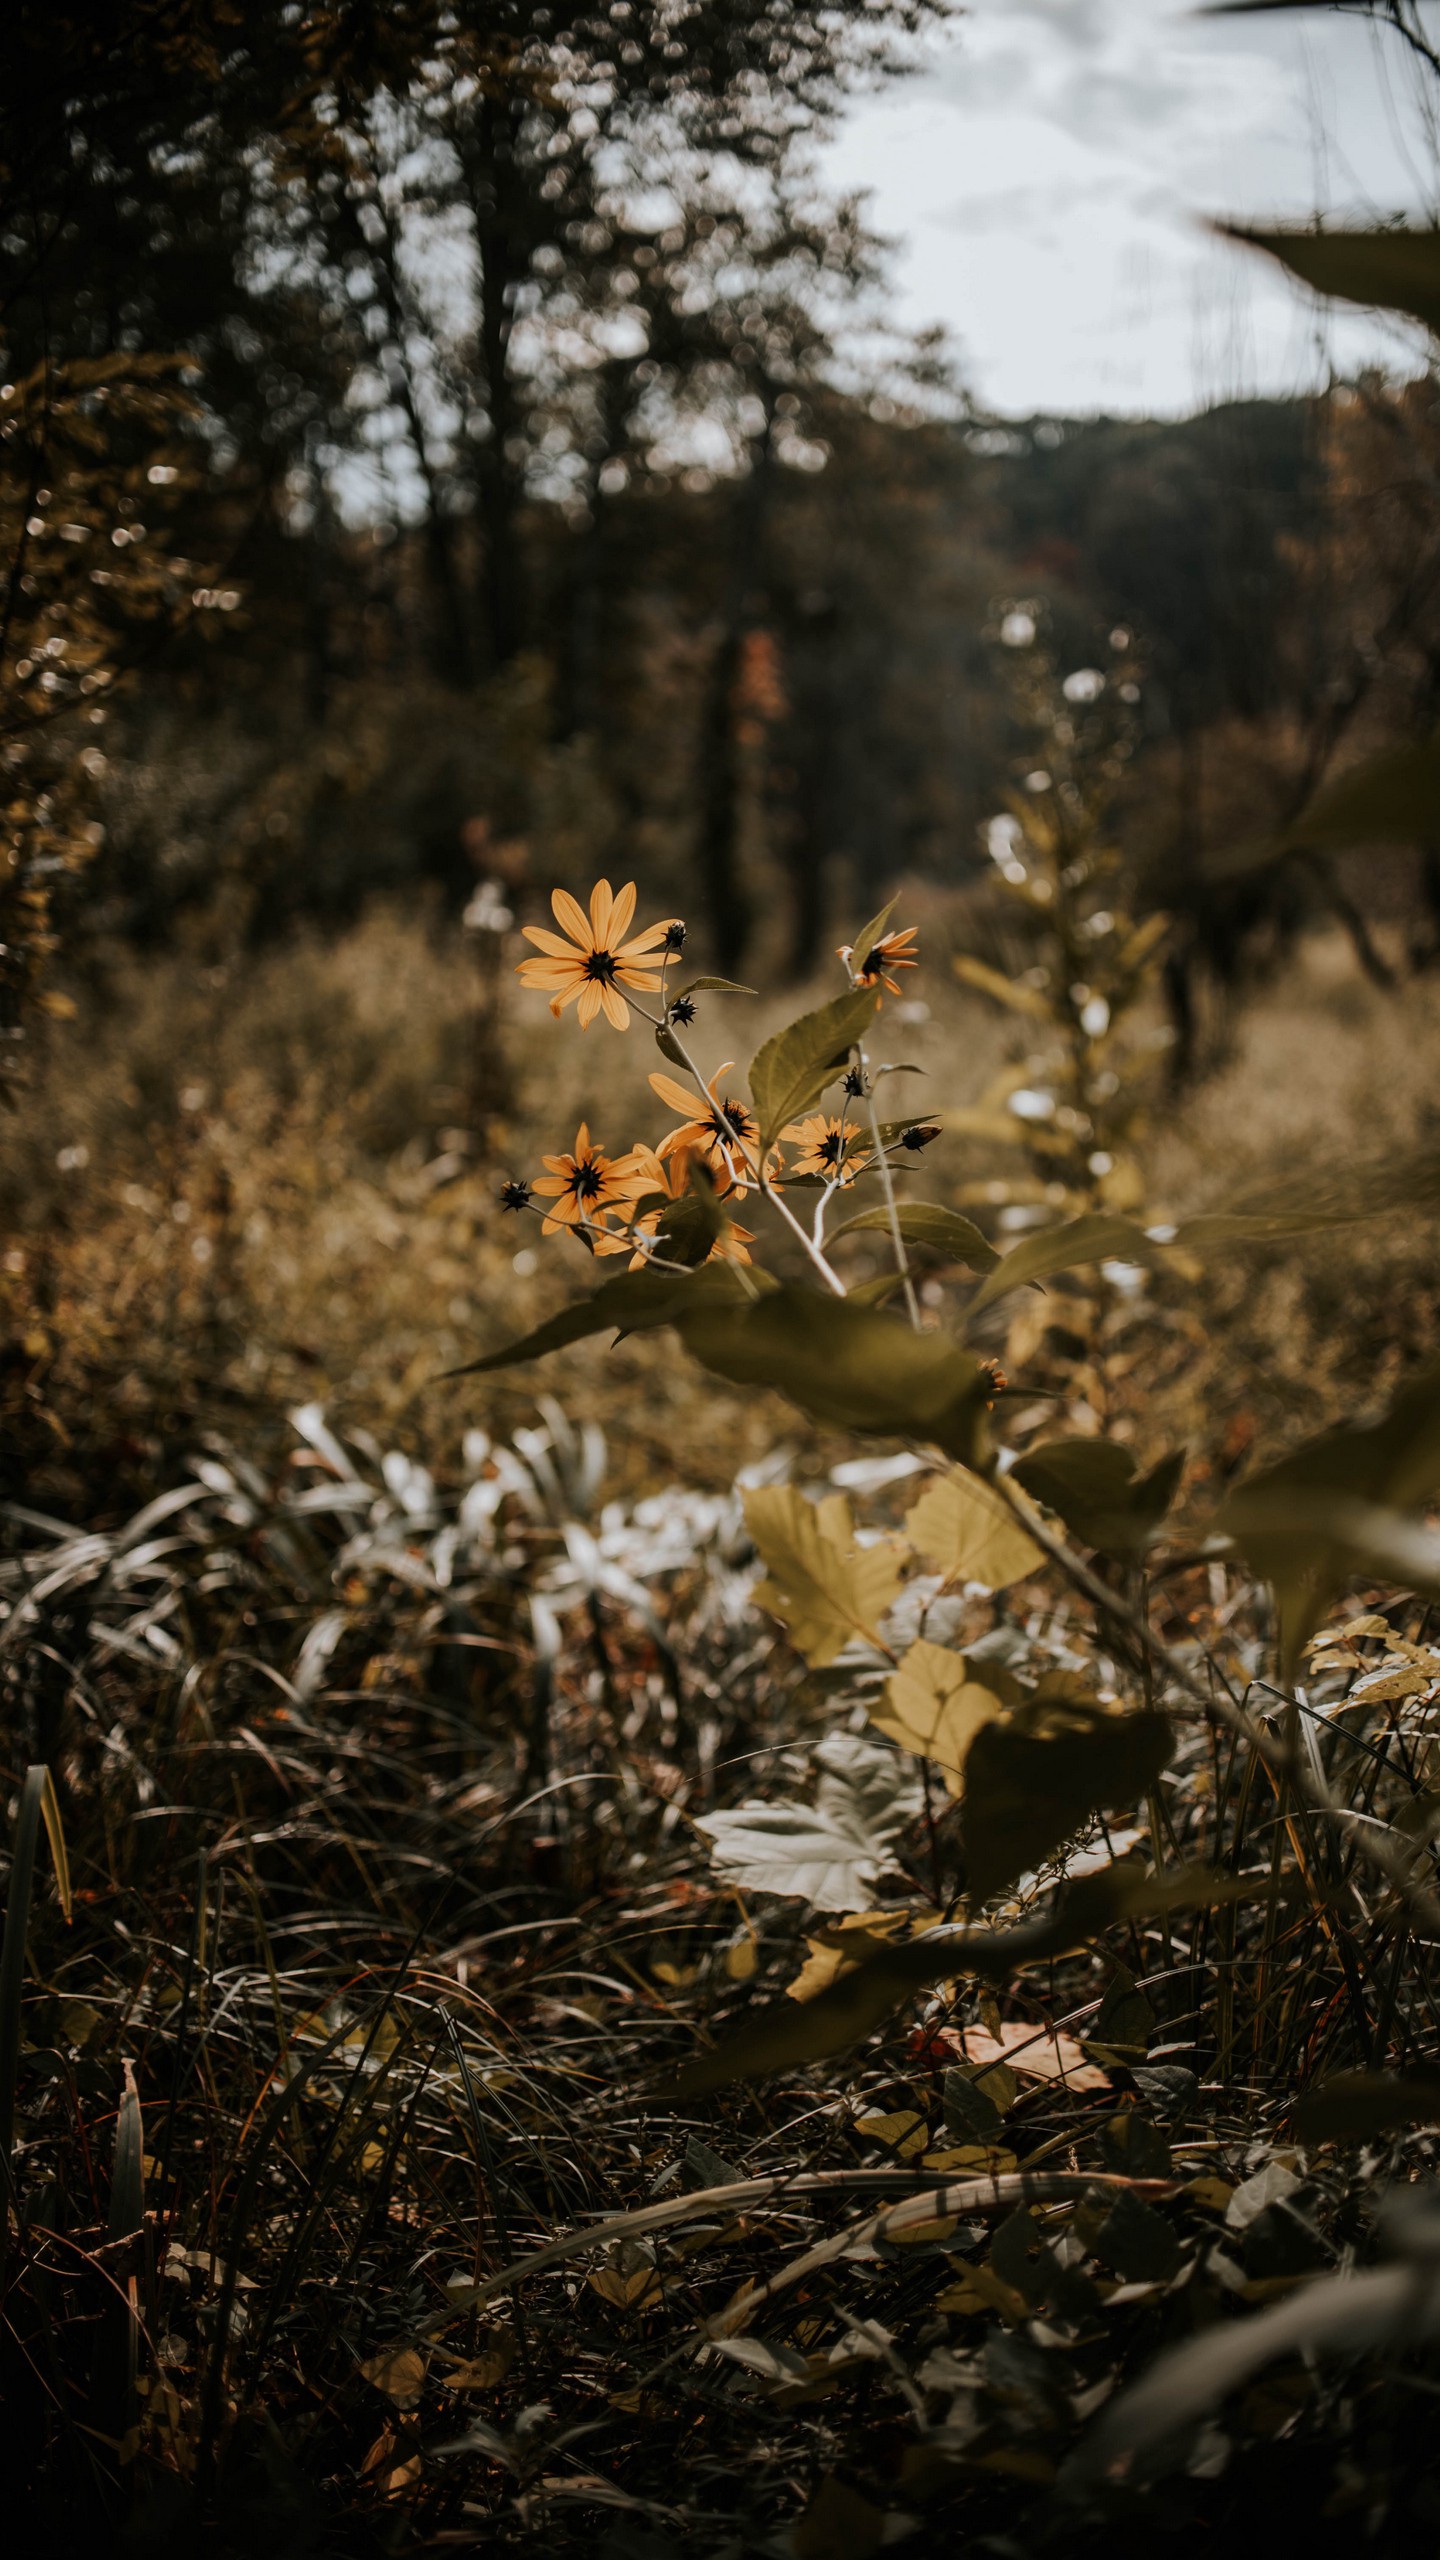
(1098, 1237)
(1258, 1226)
(792, 1070)
(1386, 270)
(1031, 1781)
(633, 1302)
(786, 2034)
(852, 1366)
(1336, 1507)
(1392, 798)
(828, 1853)
(1138, 2242)
(1355, 2106)
(712, 987)
(689, 1226)
(1094, 1487)
(971, 1532)
(824, 1587)
(1122, 2029)
(1093, 1238)
(926, 1222)
(864, 943)
(1392, 2307)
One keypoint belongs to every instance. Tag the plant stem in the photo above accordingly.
(1372, 1841)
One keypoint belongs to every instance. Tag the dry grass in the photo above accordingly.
(238, 1188)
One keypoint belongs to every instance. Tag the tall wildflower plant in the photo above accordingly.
(791, 1301)
(1071, 962)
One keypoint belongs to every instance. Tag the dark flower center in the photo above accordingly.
(587, 1180)
(600, 966)
(514, 1195)
(683, 1009)
(874, 962)
(729, 1120)
(674, 938)
(855, 1080)
(831, 1149)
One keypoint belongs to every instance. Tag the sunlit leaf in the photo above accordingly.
(933, 1706)
(829, 1853)
(712, 987)
(971, 1532)
(792, 1070)
(1033, 1779)
(1097, 1491)
(824, 1587)
(926, 1222)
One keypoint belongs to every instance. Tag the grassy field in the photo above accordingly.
(381, 1734)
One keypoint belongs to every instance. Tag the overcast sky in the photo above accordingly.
(1047, 179)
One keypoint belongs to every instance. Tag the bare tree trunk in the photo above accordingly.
(498, 485)
(727, 902)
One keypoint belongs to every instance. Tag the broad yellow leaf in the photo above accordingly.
(934, 1708)
(1036, 2053)
(848, 1941)
(825, 1587)
(971, 1532)
(631, 2281)
(904, 2132)
(399, 2372)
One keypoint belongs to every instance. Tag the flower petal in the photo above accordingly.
(589, 1003)
(554, 943)
(621, 910)
(548, 974)
(642, 945)
(601, 904)
(673, 1095)
(569, 913)
(617, 1010)
(646, 979)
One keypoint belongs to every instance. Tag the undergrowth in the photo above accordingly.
(504, 2060)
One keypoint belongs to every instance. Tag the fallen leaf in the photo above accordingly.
(904, 2133)
(399, 2372)
(1034, 2053)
